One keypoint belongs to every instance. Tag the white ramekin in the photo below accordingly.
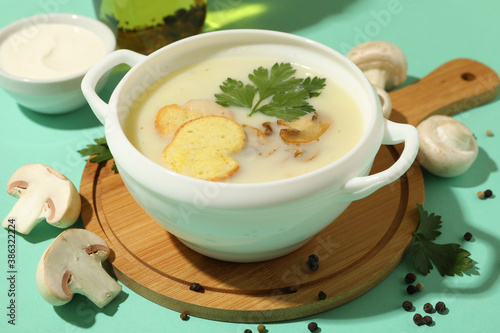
(55, 95)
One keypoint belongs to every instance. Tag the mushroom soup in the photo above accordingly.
(274, 148)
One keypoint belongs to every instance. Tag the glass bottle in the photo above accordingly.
(147, 25)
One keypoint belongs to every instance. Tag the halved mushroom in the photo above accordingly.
(266, 132)
(72, 264)
(260, 140)
(304, 129)
(44, 193)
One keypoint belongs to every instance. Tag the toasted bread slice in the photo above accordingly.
(201, 148)
(170, 117)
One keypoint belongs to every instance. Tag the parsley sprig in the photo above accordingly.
(449, 259)
(274, 93)
(100, 151)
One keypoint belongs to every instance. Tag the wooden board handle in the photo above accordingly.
(457, 85)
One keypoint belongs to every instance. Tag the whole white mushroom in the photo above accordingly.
(447, 147)
(385, 66)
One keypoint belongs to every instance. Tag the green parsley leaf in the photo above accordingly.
(236, 94)
(276, 93)
(287, 105)
(428, 224)
(449, 259)
(462, 263)
(421, 259)
(100, 151)
(280, 80)
(313, 86)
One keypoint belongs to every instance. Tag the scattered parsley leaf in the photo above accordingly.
(275, 93)
(449, 259)
(100, 151)
(462, 263)
(421, 259)
(432, 222)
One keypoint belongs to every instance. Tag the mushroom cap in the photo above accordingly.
(447, 147)
(381, 55)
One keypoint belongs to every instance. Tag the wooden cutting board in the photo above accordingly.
(355, 252)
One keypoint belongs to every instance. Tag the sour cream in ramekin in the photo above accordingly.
(48, 51)
(43, 59)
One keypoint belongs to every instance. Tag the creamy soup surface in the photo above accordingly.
(262, 159)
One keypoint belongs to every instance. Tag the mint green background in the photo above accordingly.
(430, 33)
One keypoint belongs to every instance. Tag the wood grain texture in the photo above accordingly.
(458, 85)
(356, 251)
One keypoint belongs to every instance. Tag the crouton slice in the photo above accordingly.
(170, 117)
(201, 148)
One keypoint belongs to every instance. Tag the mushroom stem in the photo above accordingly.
(377, 77)
(92, 279)
(29, 207)
(385, 101)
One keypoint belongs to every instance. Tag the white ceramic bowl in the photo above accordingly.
(56, 95)
(247, 222)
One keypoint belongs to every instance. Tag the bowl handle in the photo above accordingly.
(100, 69)
(394, 133)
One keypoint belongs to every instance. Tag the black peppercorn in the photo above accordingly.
(417, 319)
(428, 308)
(196, 287)
(291, 289)
(322, 295)
(488, 193)
(411, 289)
(468, 236)
(410, 278)
(440, 307)
(313, 262)
(247, 331)
(407, 305)
(312, 326)
(313, 257)
(313, 266)
(427, 320)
